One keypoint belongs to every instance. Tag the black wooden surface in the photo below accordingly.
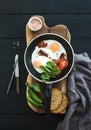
(76, 15)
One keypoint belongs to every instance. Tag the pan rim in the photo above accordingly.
(49, 82)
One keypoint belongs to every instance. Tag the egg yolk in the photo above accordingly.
(37, 63)
(54, 46)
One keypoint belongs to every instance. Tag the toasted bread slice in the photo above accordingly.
(62, 106)
(56, 98)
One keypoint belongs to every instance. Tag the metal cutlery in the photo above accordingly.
(16, 73)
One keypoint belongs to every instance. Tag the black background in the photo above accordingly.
(14, 14)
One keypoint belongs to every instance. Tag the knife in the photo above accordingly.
(12, 76)
(17, 74)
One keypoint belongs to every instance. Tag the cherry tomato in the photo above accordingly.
(63, 63)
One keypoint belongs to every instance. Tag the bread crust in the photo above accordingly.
(56, 98)
(62, 107)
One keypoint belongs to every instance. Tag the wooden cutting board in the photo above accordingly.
(58, 29)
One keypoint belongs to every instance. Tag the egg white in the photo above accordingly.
(51, 54)
(43, 60)
(47, 50)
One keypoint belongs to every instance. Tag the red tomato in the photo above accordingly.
(63, 63)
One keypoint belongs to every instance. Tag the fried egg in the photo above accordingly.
(53, 50)
(39, 61)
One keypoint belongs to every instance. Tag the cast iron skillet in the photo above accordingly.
(28, 54)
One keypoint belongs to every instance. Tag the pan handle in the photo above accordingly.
(48, 93)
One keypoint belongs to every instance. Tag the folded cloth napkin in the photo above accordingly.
(78, 115)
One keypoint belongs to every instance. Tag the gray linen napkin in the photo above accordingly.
(78, 116)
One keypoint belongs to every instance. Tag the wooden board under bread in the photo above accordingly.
(58, 29)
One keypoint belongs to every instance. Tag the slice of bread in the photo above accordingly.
(61, 108)
(62, 112)
(56, 98)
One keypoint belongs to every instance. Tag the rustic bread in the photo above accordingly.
(56, 98)
(62, 107)
(62, 112)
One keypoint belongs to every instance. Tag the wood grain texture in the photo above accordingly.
(58, 29)
(7, 54)
(28, 121)
(76, 15)
(13, 26)
(40, 6)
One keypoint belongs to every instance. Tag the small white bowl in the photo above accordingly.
(35, 23)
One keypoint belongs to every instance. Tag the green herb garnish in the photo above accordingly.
(49, 71)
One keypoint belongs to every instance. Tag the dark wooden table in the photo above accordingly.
(76, 15)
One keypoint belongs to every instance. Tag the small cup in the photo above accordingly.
(35, 23)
